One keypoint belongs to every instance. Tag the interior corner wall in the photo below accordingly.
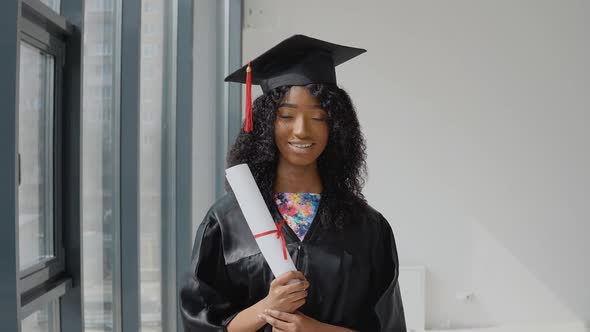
(476, 116)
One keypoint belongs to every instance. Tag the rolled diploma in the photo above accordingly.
(258, 218)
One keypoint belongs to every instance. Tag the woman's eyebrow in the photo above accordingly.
(295, 105)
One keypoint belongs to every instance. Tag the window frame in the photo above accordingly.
(50, 267)
(68, 25)
(47, 281)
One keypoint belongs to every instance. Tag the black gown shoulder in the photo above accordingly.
(352, 273)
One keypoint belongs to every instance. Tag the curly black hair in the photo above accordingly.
(342, 165)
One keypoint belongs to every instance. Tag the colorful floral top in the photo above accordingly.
(298, 210)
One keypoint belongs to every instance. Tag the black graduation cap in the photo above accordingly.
(297, 60)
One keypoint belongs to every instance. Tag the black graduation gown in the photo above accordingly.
(352, 273)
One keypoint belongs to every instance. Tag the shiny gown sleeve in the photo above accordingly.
(385, 270)
(206, 301)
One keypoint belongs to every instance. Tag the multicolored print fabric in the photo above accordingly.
(298, 210)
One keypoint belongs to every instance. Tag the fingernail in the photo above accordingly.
(259, 316)
(266, 310)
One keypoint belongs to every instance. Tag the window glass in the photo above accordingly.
(44, 320)
(35, 145)
(157, 155)
(53, 4)
(100, 165)
(152, 131)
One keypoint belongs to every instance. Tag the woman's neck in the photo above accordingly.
(297, 179)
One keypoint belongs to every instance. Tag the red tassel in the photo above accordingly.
(248, 125)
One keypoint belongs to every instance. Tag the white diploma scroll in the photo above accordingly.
(258, 218)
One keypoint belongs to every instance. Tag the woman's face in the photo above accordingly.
(301, 128)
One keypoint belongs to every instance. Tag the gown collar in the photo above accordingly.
(287, 231)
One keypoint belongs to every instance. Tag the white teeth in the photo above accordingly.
(301, 146)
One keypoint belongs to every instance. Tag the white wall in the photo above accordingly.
(477, 117)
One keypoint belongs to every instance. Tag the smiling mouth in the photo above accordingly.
(300, 145)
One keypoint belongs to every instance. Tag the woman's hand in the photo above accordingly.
(286, 322)
(287, 297)
(297, 322)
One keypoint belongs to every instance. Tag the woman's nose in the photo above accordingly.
(300, 127)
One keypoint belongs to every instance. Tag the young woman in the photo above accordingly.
(307, 155)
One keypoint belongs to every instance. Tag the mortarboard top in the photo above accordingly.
(297, 60)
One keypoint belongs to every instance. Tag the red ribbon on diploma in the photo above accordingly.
(279, 235)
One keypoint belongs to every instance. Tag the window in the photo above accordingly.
(151, 6)
(149, 50)
(41, 251)
(64, 143)
(41, 248)
(107, 92)
(107, 69)
(156, 130)
(35, 191)
(149, 29)
(43, 320)
(100, 5)
(149, 72)
(53, 4)
(100, 166)
(105, 48)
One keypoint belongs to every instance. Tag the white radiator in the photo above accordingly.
(565, 327)
(412, 280)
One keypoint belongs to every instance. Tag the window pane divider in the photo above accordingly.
(71, 314)
(184, 152)
(9, 244)
(129, 163)
(47, 17)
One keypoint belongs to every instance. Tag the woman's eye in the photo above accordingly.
(319, 119)
(284, 116)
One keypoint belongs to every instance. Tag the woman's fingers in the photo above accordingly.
(274, 322)
(286, 296)
(287, 276)
(297, 287)
(299, 303)
(296, 296)
(283, 316)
